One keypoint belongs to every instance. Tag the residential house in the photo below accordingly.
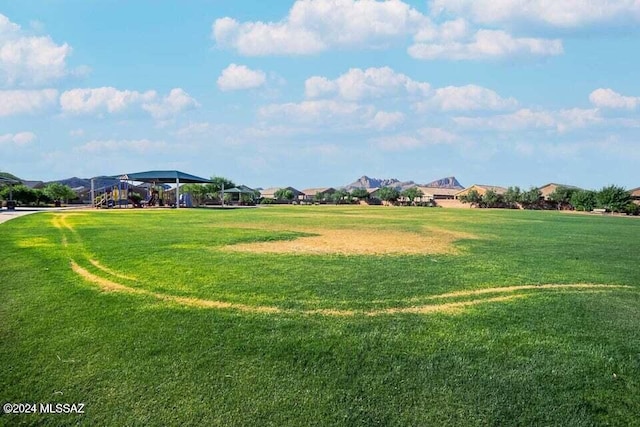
(270, 193)
(436, 193)
(635, 195)
(311, 195)
(480, 189)
(548, 189)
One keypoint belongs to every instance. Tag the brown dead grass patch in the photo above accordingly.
(446, 308)
(505, 289)
(111, 286)
(104, 284)
(451, 308)
(361, 242)
(35, 242)
(107, 270)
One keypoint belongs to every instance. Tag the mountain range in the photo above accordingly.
(367, 182)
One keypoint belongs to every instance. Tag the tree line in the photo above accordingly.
(611, 198)
(212, 192)
(343, 197)
(51, 193)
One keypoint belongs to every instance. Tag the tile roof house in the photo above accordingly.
(635, 195)
(480, 189)
(270, 193)
(548, 189)
(314, 194)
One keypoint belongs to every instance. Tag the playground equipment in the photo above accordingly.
(118, 195)
(157, 185)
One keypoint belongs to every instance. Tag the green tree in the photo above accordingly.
(412, 194)
(491, 199)
(472, 197)
(341, 197)
(512, 196)
(41, 196)
(247, 199)
(584, 200)
(59, 192)
(613, 198)
(561, 197)
(530, 199)
(20, 193)
(217, 184)
(320, 197)
(199, 192)
(284, 194)
(632, 209)
(388, 194)
(360, 193)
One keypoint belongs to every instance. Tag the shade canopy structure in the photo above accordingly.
(162, 177)
(165, 177)
(239, 190)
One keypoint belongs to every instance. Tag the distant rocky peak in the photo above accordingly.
(448, 182)
(367, 182)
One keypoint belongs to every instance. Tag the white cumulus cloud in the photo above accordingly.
(27, 60)
(526, 119)
(111, 100)
(357, 84)
(561, 13)
(26, 101)
(19, 139)
(465, 98)
(486, 44)
(385, 120)
(608, 98)
(176, 102)
(315, 26)
(237, 77)
(102, 99)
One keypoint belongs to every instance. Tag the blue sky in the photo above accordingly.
(318, 93)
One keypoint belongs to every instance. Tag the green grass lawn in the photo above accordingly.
(194, 332)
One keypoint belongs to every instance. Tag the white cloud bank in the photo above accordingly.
(18, 139)
(27, 60)
(527, 119)
(112, 100)
(357, 84)
(608, 98)
(175, 103)
(102, 99)
(238, 77)
(384, 83)
(26, 101)
(485, 44)
(560, 13)
(316, 26)
(466, 98)
(331, 114)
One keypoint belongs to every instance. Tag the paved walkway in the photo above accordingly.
(6, 215)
